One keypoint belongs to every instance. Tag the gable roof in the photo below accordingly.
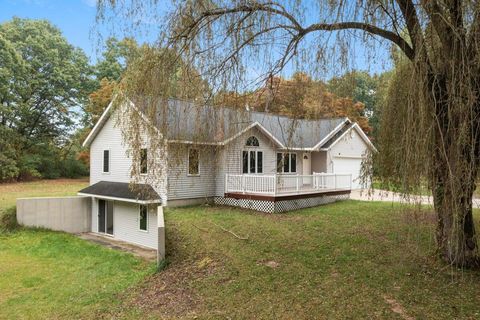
(185, 122)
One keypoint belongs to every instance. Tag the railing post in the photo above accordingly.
(243, 183)
(335, 179)
(226, 183)
(275, 184)
(350, 181)
(298, 185)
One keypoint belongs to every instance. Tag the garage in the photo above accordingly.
(350, 165)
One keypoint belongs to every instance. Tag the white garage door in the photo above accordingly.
(349, 165)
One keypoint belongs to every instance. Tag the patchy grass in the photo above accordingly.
(345, 260)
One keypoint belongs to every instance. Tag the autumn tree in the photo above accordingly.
(225, 40)
(299, 97)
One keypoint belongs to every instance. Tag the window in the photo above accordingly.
(252, 142)
(143, 161)
(286, 162)
(193, 162)
(106, 161)
(252, 161)
(143, 218)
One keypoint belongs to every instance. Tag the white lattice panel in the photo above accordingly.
(279, 206)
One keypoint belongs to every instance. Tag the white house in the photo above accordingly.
(254, 160)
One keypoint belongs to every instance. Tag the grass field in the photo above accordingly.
(341, 261)
(41, 188)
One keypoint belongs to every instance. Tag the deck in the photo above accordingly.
(286, 187)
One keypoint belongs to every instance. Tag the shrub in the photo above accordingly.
(8, 219)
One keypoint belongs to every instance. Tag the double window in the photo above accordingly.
(143, 218)
(193, 162)
(286, 162)
(252, 161)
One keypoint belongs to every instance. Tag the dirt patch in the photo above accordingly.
(170, 293)
(269, 263)
(397, 308)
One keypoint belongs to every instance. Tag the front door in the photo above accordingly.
(105, 216)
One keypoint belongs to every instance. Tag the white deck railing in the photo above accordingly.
(281, 184)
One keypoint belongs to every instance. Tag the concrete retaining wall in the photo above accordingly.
(69, 214)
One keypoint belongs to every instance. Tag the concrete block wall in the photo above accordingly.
(69, 214)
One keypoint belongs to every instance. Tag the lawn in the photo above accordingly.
(345, 260)
(41, 188)
(53, 275)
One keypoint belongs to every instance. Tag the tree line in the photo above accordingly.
(51, 96)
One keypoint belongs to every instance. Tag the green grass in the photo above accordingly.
(344, 260)
(340, 261)
(54, 275)
(48, 275)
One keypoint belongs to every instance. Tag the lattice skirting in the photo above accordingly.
(280, 206)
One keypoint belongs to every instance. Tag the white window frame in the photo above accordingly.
(256, 150)
(289, 163)
(188, 163)
(140, 218)
(109, 161)
(140, 169)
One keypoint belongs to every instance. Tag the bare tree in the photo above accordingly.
(225, 40)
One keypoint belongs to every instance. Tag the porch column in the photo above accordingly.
(161, 235)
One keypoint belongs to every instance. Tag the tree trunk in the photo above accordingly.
(454, 174)
(456, 239)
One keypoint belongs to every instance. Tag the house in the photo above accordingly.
(254, 160)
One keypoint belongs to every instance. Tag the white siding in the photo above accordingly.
(229, 159)
(109, 138)
(183, 186)
(346, 156)
(126, 225)
(350, 145)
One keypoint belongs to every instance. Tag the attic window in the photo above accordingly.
(252, 142)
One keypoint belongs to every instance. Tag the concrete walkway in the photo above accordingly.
(388, 196)
(138, 251)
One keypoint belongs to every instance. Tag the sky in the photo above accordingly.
(76, 19)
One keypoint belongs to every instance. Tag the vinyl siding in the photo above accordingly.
(110, 138)
(229, 160)
(351, 145)
(126, 225)
(183, 186)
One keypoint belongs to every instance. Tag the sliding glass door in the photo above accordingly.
(105, 216)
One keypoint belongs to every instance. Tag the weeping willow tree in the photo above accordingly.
(235, 45)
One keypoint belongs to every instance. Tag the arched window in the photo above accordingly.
(252, 142)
